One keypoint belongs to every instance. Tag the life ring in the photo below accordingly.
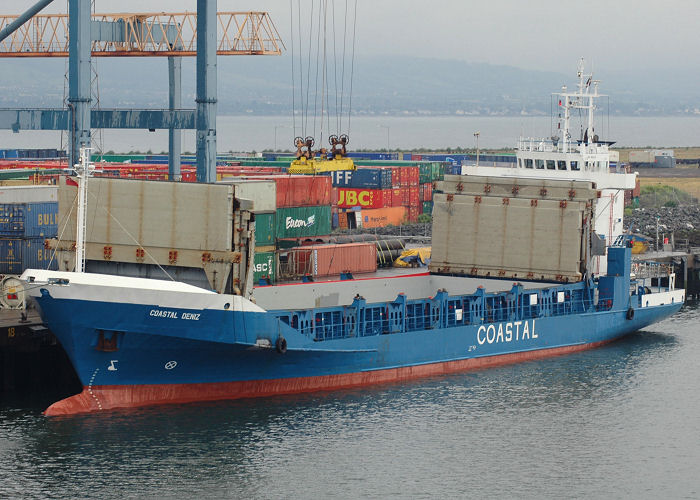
(630, 313)
(281, 345)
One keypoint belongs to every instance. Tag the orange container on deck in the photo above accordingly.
(382, 217)
(331, 260)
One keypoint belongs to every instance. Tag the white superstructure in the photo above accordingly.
(566, 158)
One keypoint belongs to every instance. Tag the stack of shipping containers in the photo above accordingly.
(28, 216)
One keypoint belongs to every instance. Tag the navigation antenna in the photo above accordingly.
(83, 171)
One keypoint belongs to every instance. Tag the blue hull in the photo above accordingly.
(160, 351)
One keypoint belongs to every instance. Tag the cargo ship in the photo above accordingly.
(510, 280)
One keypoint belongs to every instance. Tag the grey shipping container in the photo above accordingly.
(29, 219)
(18, 254)
(28, 194)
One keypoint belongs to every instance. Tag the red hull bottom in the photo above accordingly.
(97, 398)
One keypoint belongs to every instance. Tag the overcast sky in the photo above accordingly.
(537, 34)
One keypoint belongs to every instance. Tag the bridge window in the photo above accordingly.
(574, 165)
(539, 164)
(528, 162)
(561, 164)
(550, 164)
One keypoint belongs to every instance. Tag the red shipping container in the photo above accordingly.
(426, 191)
(405, 175)
(413, 196)
(366, 198)
(334, 196)
(395, 177)
(396, 199)
(388, 197)
(405, 199)
(413, 214)
(301, 190)
(330, 260)
(414, 176)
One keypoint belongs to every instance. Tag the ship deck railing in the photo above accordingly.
(361, 319)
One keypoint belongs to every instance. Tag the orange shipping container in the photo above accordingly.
(382, 217)
(331, 260)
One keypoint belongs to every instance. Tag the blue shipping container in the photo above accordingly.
(29, 219)
(18, 254)
(371, 178)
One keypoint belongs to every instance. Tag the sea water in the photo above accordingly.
(621, 421)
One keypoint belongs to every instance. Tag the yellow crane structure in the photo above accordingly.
(146, 34)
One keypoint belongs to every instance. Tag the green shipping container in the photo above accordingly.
(427, 207)
(438, 171)
(264, 229)
(425, 173)
(301, 222)
(264, 266)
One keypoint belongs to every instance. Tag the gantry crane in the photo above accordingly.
(80, 36)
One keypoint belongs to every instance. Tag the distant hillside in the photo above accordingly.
(381, 85)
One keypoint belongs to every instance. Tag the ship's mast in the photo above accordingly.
(583, 98)
(83, 170)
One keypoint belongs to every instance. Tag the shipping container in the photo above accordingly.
(405, 198)
(332, 260)
(261, 192)
(426, 192)
(364, 198)
(395, 177)
(265, 266)
(264, 229)
(396, 197)
(413, 196)
(370, 178)
(28, 194)
(302, 222)
(302, 190)
(413, 213)
(18, 254)
(29, 219)
(425, 173)
(382, 217)
(427, 207)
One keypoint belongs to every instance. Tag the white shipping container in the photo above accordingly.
(263, 193)
(28, 194)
